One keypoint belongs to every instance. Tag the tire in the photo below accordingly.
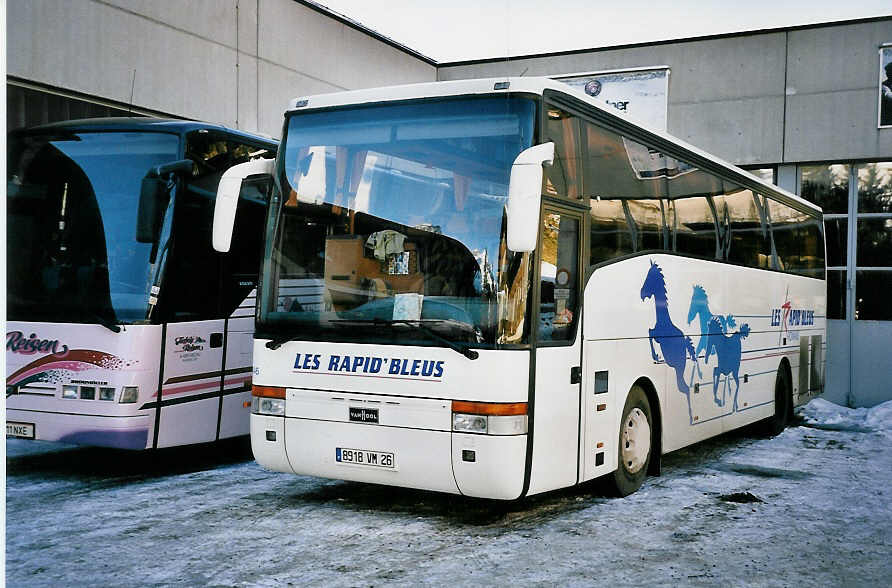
(776, 424)
(635, 444)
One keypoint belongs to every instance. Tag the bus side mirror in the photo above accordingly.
(149, 214)
(525, 196)
(228, 191)
(153, 197)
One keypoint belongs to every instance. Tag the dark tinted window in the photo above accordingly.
(872, 290)
(798, 240)
(242, 262)
(836, 294)
(196, 286)
(827, 186)
(875, 187)
(642, 199)
(695, 229)
(611, 235)
(562, 178)
(836, 232)
(745, 228)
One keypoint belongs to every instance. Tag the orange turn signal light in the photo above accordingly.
(490, 408)
(268, 391)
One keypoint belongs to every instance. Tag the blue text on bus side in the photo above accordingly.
(369, 365)
(796, 317)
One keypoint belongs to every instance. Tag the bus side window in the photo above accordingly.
(558, 296)
(562, 177)
(241, 263)
(798, 240)
(747, 239)
(610, 233)
(648, 222)
(695, 229)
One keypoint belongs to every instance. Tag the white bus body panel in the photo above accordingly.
(190, 395)
(778, 310)
(235, 417)
(414, 414)
(555, 421)
(496, 376)
(82, 355)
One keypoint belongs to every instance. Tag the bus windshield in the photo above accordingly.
(391, 217)
(72, 254)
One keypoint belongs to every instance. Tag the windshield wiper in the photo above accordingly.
(277, 342)
(105, 322)
(418, 326)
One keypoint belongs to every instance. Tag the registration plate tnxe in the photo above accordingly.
(363, 415)
(364, 457)
(23, 430)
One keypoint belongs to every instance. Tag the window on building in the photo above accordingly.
(766, 174)
(827, 185)
(873, 276)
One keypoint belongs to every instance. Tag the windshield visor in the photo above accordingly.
(72, 203)
(396, 213)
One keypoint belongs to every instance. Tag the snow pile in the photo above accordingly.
(822, 414)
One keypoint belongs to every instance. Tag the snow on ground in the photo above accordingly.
(810, 507)
(821, 414)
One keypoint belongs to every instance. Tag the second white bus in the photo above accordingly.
(126, 329)
(521, 291)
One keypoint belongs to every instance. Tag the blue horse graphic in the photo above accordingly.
(718, 339)
(700, 307)
(728, 351)
(675, 346)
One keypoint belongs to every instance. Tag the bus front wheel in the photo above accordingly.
(635, 443)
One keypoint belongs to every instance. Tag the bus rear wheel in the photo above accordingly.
(635, 443)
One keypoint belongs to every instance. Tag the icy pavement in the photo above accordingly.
(809, 507)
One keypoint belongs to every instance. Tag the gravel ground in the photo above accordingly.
(809, 507)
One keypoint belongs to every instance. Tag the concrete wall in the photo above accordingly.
(234, 62)
(773, 97)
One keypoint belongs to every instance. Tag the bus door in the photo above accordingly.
(193, 354)
(190, 304)
(239, 294)
(555, 425)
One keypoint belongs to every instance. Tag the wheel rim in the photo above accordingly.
(635, 441)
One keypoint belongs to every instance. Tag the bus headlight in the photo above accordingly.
(268, 406)
(468, 423)
(489, 418)
(268, 400)
(129, 394)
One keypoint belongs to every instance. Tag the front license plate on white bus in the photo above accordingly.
(23, 430)
(364, 457)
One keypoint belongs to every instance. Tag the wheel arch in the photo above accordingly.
(656, 409)
(787, 371)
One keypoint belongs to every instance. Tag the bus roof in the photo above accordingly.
(139, 123)
(539, 86)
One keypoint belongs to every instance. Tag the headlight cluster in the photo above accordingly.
(268, 406)
(489, 418)
(129, 394)
(268, 400)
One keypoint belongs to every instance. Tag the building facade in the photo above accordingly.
(231, 62)
(800, 106)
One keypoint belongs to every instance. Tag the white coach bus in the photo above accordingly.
(125, 328)
(495, 328)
